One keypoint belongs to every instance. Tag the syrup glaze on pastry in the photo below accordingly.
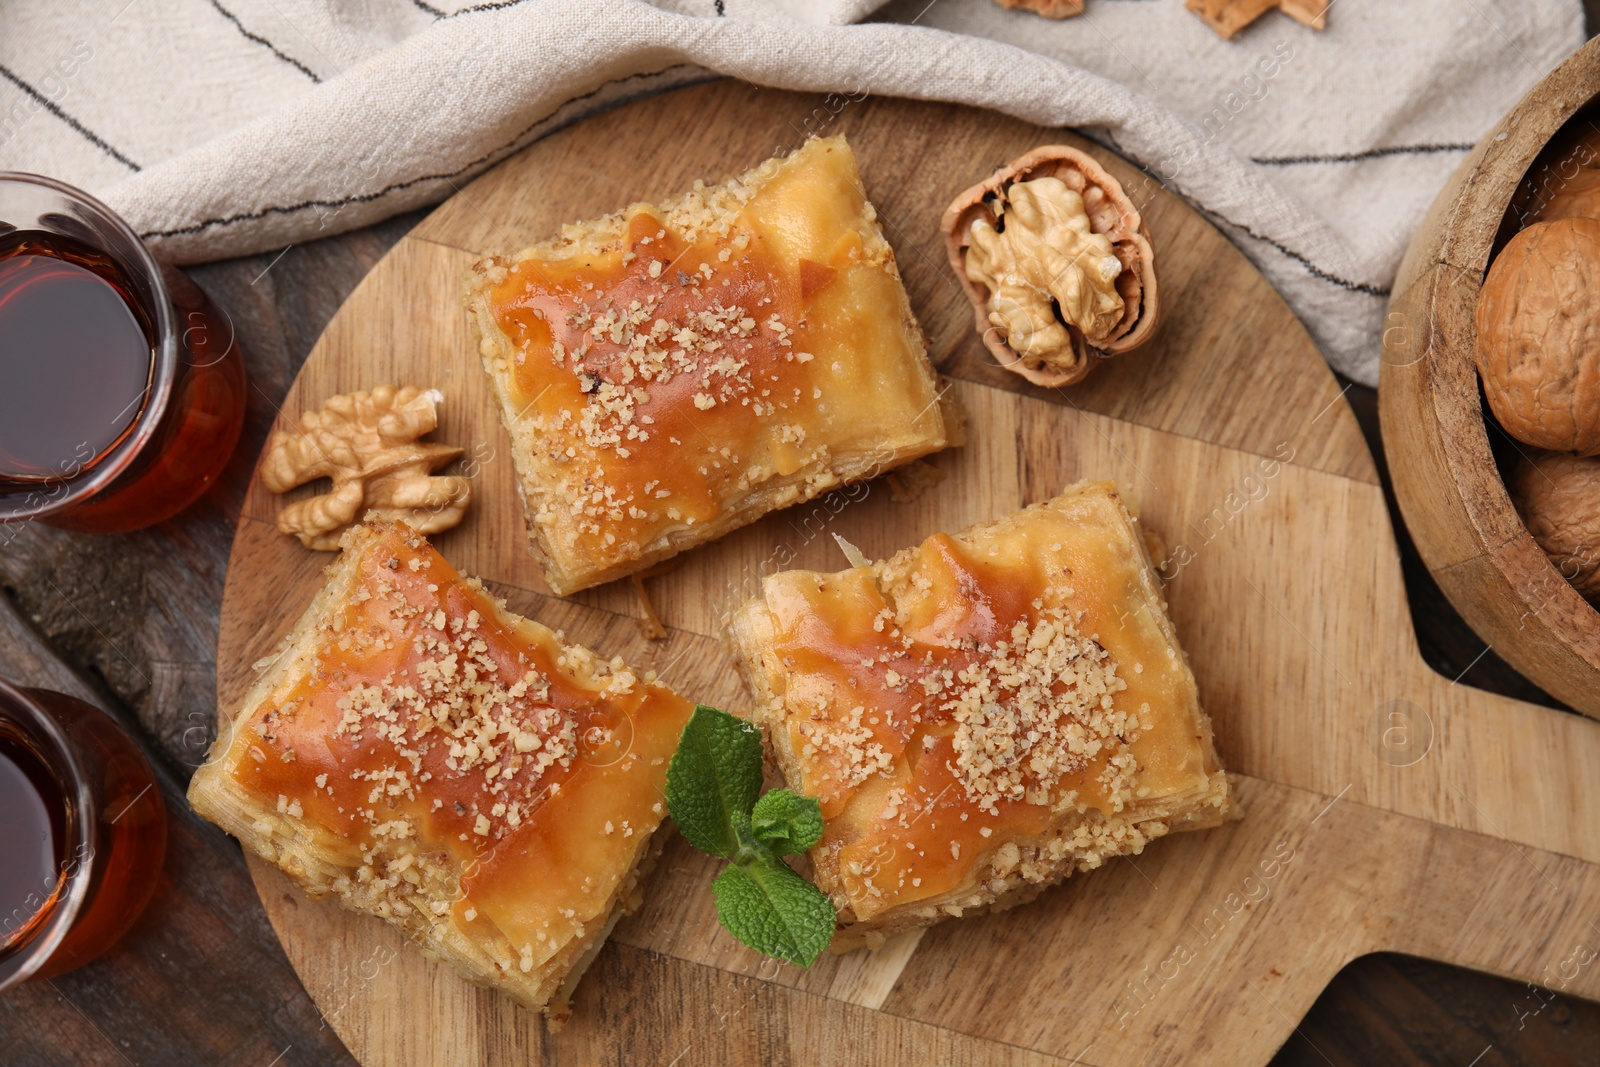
(431, 758)
(672, 372)
(983, 713)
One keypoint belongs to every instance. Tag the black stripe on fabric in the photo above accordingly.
(429, 8)
(264, 43)
(1311, 268)
(87, 134)
(498, 5)
(1356, 157)
(363, 198)
(360, 198)
(1379, 291)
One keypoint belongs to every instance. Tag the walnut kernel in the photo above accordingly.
(1046, 253)
(366, 443)
(1228, 17)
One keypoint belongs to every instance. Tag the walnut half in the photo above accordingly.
(366, 443)
(1055, 259)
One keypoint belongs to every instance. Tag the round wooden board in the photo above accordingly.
(1386, 809)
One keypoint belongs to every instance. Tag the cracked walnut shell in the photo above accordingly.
(1228, 17)
(1057, 264)
(366, 443)
(1538, 336)
(1050, 9)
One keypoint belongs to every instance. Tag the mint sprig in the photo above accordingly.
(713, 794)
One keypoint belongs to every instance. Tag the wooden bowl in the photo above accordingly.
(1435, 428)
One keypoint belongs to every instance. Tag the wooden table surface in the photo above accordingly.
(131, 623)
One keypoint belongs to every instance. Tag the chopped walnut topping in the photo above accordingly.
(1034, 709)
(476, 721)
(849, 738)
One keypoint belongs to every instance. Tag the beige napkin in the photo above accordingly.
(225, 127)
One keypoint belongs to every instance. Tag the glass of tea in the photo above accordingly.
(82, 836)
(122, 386)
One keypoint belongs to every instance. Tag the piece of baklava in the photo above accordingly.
(981, 714)
(424, 755)
(674, 371)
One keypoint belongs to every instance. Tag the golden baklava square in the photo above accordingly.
(982, 714)
(674, 371)
(422, 754)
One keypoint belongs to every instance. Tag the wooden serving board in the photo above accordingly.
(1386, 809)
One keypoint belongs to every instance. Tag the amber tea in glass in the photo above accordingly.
(122, 388)
(82, 837)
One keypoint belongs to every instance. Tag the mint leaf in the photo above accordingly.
(773, 910)
(713, 784)
(786, 822)
(714, 779)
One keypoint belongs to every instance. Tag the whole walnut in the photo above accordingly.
(1558, 497)
(1577, 197)
(1565, 183)
(1538, 326)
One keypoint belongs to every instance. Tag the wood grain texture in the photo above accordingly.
(1449, 489)
(1474, 847)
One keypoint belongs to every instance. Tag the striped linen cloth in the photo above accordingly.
(226, 127)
